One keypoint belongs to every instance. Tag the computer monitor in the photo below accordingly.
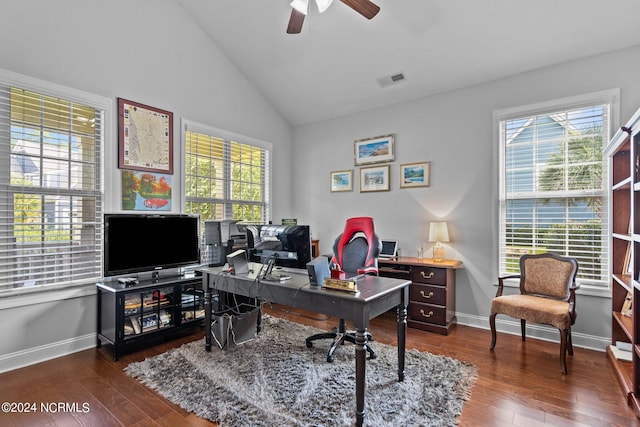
(389, 249)
(238, 262)
(289, 245)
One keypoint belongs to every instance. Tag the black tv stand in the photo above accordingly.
(154, 308)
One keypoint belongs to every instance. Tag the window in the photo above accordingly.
(226, 176)
(50, 186)
(553, 185)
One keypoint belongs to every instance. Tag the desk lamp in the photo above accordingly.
(438, 232)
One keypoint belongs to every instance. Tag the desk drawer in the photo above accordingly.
(428, 313)
(431, 275)
(428, 294)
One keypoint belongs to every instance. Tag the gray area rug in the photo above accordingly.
(275, 380)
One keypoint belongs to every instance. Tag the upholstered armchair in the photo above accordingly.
(547, 296)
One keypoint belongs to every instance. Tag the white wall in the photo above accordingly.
(146, 51)
(454, 131)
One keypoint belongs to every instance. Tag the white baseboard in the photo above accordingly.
(20, 359)
(31, 356)
(541, 332)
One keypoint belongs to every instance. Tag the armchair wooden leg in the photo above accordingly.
(523, 327)
(563, 350)
(492, 323)
(570, 343)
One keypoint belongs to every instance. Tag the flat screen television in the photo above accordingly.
(138, 243)
(289, 244)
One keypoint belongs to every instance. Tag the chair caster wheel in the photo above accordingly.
(329, 359)
(309, 344)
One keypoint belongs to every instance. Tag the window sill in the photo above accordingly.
(19, 297)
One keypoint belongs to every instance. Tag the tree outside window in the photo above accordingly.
(553, 196)
(225, 179)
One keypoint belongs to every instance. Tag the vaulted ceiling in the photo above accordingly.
(332, 67)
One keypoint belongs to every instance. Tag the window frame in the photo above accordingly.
(227, 200)
(73, 289)
(610, 97)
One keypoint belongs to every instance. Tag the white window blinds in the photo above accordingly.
(225, 176)
(50, 192)
(553, 181)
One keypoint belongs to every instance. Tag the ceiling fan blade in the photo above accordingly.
(295, 22)
(363, 7)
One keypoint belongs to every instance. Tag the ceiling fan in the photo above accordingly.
(299, 9)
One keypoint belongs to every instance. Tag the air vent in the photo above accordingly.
(391, 79)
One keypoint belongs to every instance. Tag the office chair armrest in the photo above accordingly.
(368, 270)
(501, 282)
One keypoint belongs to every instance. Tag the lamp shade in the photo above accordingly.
(323, 4)
(438, 232)
(301, 6)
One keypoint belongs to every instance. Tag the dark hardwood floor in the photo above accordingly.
(519, 384)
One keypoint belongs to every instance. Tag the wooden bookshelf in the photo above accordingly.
(623, 152)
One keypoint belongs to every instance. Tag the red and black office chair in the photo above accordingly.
(355, 252)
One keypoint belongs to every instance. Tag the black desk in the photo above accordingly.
(377, 295)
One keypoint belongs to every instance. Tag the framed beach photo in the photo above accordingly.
(414, 175)
(374, 178)
(374, 150)
(341, 181)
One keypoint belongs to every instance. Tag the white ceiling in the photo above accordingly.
(330, 69)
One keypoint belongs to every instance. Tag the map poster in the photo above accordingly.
(145, 137)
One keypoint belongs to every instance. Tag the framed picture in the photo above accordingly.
(342, 180)
(374, 178)
(146, 191)
(374, 150)
(627, 267)
(414, 175)
(627, 305)
(149, 322)
(145, 137)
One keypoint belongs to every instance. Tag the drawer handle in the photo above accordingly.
(427, 276)
(427, 296)
(426, 315)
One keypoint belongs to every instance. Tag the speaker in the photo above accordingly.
(212, 233)
(318, 269)
(217, 255)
